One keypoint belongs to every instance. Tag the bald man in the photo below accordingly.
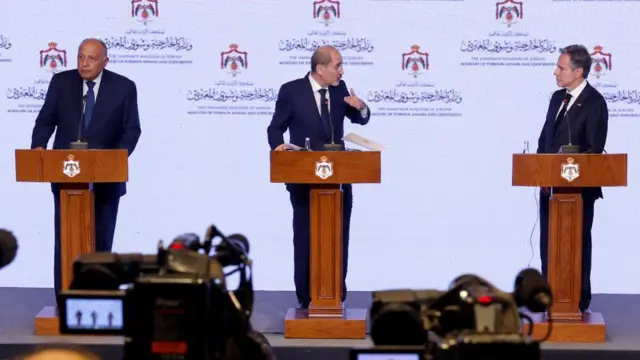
(101, 107)
(314, 107)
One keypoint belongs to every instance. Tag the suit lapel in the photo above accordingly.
(76, 93)
(335, 104)
(310, 102)
(572, 113)
(102, 103)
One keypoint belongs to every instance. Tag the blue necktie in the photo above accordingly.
(324, 112)
(88, 107)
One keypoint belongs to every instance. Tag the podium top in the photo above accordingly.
(325, 167)
(569, 170)
(72, 166)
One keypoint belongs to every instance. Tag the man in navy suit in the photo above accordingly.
(314, 107)
(110, 121)
(586, 109)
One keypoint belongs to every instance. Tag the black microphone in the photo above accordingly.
(80, 145)
(333, 146)
(532, 291)
(8, 247)
(569, 149)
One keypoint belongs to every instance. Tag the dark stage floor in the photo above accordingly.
(18, 307)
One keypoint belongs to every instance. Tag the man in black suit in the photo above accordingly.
(586, 109)
(110, 121)
(314, 107)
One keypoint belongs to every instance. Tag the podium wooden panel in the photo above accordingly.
(324, 171)
(566, 175)
(75, 171)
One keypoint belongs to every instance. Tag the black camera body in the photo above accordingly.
(473, 320)
(174, 304)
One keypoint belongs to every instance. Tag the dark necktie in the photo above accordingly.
(88, 107)
(563, 111)
(324, 112)
(565, 104)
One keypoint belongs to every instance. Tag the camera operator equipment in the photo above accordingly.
(8, 247)
(473, 320)
(174, 305)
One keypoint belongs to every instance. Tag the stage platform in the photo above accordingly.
(18, 307)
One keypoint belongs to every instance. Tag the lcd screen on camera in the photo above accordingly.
(94, 314)
(413, 353)
(388, 356)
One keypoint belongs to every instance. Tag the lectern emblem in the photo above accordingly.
(71, 167)
(570, 170)
(324, 168)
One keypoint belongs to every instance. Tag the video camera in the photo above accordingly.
(473, 320)
(174, 304)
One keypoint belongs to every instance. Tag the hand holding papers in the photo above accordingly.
(287, 147)
(364, 142)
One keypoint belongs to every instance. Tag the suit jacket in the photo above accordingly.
(115, 123)
(297, 111)
(589, 119)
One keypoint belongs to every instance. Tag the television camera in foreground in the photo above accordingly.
(473, 320)
(173, 304)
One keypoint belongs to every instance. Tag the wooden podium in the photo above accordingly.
(75, 170)
(566, 174)
(325, 171)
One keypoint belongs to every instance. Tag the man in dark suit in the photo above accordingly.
(586, 109)
(110, 121)
(314, 107)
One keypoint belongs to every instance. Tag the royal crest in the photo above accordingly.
(570, 170)
(233, 61)
(326, 11)
(71, 167)
(509, 11)
(144, 10)
(414, 62)
(324, 168)
(53, 59)
(600, 61)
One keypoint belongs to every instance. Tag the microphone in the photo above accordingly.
(532, 291)
(333, 146)
(8, 247)
(569, 149)
(80, 145)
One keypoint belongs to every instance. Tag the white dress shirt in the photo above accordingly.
(574, 95)
(96, 87)
(316, 94)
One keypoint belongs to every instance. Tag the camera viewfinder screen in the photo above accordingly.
(388, 356)
(96, 314)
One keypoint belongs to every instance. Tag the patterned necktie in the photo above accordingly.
(91, 101)
(324, 112)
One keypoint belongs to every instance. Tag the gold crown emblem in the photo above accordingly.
(570, 160)
(415, 48)
(323, 158)
(52, 45)
(233, 46)
(598, 48)
(71, 157)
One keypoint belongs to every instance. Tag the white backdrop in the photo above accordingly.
(445, 205)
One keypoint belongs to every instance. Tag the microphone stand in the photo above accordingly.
(569, 149)
(333, 146)
(80, 145)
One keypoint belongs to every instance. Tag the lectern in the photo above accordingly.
(75, 171)
(325, 171)
(566, 174)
